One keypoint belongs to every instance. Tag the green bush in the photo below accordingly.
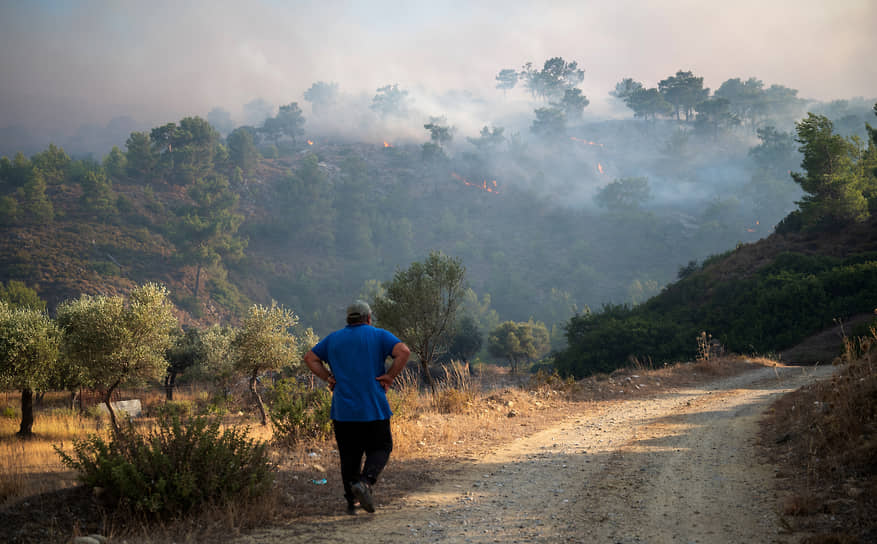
(174, 468)
(299, 411)
(777, 306)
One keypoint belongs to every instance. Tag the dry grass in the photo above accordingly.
(825, 439)
(469, 416)
(31, 467)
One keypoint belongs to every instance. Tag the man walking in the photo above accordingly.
(360, 413)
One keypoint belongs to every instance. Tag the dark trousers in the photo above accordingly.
(357, 438)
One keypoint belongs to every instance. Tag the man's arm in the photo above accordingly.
(400, 355)
(319, 369)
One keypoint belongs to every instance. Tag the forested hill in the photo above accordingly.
(759, 298)
(567, 215)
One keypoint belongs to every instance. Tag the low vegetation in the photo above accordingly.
(765, 310)
(467, 415)
(177, 466)
(824, 439)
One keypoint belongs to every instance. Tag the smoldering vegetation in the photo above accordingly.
(554, 209)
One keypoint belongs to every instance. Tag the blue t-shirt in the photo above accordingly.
(356, 355)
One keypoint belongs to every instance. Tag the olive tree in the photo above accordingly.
(218, 363)
(519, 342)
(420, 306)
(264, 343)
(118, 342)
(29, 346)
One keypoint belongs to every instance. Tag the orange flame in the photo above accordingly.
(584, 141)
(310, 142)
(600, 168)
(486, 186)
(387, 144)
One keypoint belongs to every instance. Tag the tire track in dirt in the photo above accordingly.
(680, 467)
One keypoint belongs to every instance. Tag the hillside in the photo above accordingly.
(548, 226)
(322, 222)
(789, 290)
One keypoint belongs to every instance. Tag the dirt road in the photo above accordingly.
(682, 468)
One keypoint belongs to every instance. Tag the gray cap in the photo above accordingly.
(358, 310)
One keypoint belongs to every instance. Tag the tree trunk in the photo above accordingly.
(74, 395)
(26, 428)
(425, 366)
(169, 382)
(107, 398)
(258, 398)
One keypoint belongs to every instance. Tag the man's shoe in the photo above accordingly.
(351, 509)
(363, 493)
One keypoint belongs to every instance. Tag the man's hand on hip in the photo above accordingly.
(386, 381)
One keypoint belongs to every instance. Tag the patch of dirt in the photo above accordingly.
(681, 466)
(53, 517)
(658, 456)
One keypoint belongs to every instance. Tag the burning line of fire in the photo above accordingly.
(387, 144)
(487, 186)
(585, 141)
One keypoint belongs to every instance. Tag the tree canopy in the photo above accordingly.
(833, 178)
(18, 295)
(113, 341)
(554, 79)
(507, 79)
(289, 122)
(390, 100)
(519, 342)
(322, 96)
(420, 305)
(29, 349)
(684, 91)
(264, 342)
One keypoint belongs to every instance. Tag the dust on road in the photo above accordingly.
(682, 467)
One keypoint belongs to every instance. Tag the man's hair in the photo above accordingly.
(358, 312)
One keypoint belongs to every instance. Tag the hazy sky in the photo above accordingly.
(69, 62)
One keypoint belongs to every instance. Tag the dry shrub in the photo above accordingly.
(452, 401)
(457, 393)
(825, 436)
(457, 376)
(727, 365)
(405, 398)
